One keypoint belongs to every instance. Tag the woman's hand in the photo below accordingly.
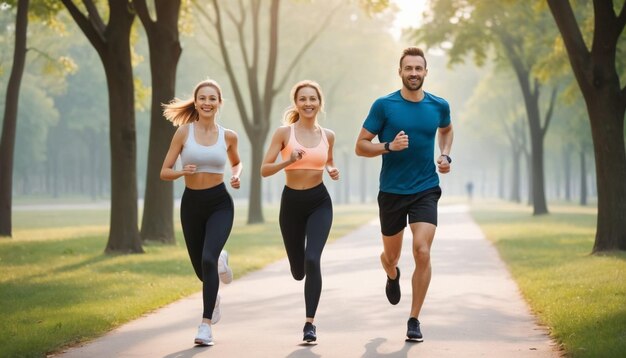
(189, 169)
(333, 172)
(235, 182)
(296, 155)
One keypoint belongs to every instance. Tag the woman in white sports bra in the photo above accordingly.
(206, 210)
(306, 210)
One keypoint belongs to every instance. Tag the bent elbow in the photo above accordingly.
(358, 151)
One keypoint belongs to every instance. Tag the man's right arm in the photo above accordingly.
(365, 147)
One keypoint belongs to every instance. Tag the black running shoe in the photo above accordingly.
(309, 332)
(413, 332)
(393, 289)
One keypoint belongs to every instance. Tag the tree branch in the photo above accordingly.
(94, 16)
(273, 53)
(580, 56)
(549, 112)
(621, 19)
(239, 24)
(141, 8)
(245, 119)
(93, 34)
(304, 48)
(207, 17)
(205, 14)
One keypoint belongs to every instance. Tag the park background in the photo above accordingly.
(523, 138)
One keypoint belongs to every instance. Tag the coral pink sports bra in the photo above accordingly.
(314, 158)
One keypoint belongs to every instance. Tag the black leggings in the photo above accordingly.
(305, 220)
(207, 218)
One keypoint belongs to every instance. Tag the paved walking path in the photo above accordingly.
(473, 308)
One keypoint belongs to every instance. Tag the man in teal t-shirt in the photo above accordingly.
(406, 123)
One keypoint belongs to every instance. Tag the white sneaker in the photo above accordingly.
(217, 313)
(225, 273)
(204, 336)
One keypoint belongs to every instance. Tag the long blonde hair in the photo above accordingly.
(291, 115)
(183, 111)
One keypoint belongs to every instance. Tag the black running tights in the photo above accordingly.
(305, 220)
(207, 218)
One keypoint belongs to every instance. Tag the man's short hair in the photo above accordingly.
(412, 51)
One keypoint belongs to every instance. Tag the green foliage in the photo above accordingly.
(510, 31)
(578, 296)
(372, 7)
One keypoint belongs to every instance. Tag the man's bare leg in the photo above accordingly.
(423, 235)
(392, 247)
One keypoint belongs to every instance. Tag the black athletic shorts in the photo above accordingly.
(393, 209)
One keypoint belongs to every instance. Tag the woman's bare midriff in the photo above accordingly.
(301, 179)
(199, 181)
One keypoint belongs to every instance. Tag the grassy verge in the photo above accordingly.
(58, 288)
(580, 297)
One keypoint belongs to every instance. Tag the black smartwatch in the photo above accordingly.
(447, 158)
(387, 147)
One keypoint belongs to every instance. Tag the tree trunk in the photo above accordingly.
(531, 94)
(607, 128)
(515, 177)
(123, 231)
(567, 172)
(540, 206)
(158, 213)
(583, 179)
(112, 42)
(529, 171)
(9, 125)
(599, 82)
(255, 209)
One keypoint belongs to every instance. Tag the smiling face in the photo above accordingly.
(308, 102)
(208, 101)
(413, 71)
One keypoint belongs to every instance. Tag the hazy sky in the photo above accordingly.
(409, 15)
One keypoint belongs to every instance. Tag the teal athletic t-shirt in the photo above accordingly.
(411, 170)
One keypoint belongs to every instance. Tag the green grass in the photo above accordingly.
(580, 297)
(58, 288)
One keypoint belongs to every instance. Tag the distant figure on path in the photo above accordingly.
(469, 187)
(406, 123)
(206, 209)
(306, 210)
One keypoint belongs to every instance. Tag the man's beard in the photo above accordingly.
(410, 87)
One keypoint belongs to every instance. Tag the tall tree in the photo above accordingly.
(157, 222)
(517, 35)
(262, 82)
(599, 80)
(112, 43)
(7, 141)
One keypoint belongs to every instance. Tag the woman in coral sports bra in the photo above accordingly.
(306, 210)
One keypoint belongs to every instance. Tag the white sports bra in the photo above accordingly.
(207, 159)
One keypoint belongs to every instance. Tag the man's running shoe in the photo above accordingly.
(224, 271)
(413, 332)
(392, 289)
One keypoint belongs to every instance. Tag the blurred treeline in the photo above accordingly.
(62, 145)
